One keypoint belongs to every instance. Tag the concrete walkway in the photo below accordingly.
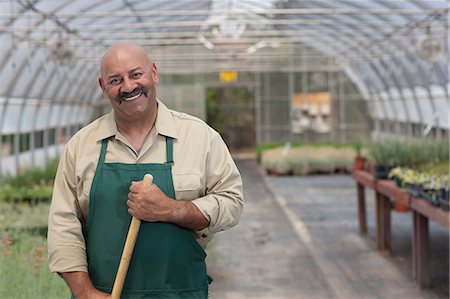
(298, 238)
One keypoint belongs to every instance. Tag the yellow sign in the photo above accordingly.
(228, 76)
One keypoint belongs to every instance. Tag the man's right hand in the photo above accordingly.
(81, 286)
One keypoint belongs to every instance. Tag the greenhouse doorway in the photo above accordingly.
(231, 111)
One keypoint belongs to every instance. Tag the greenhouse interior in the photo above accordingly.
(336, 114)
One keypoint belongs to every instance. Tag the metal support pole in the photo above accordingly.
(258, 108)
(290, 93)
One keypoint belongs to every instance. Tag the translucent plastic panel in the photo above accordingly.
(411, 106)
(6, 7)
(431, 3)
(425, 106)
(421, 93)
(78, 6)
(73, 115)
(388, 106)
(81, 117)
(371, 109)
(91, 6)
(5, 45)
(57, 86)
(414, 116)
(65, 117)
(12, 113)
(441, 104)
(40, 82)
(2, 105)
(49, 6)
(86, 114)
(399, 110)
(427, 112)
(27, 124)
(42, 117)
(12, 67)
(55, 115)
(443, 109)
(398, 105)
(377, 109)
(370, 76)
(27, 75)
(359, 81)
(427, 75)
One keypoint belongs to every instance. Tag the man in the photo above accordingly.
(196, 192)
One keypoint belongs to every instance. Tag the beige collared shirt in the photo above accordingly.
(203, 171)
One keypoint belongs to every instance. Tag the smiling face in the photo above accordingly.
(128, 79)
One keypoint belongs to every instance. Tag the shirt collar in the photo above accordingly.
(164, 124)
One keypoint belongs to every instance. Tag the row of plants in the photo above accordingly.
(302, 159)
(33, 185)
(24, 206)
(416, 154)
(430, 185)
(419, 166)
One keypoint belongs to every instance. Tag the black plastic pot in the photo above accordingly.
(444, 193)
(444, 204)
(381, 172)
(415, 190)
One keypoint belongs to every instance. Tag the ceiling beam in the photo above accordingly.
(239, 12)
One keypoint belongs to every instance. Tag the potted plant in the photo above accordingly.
(379, 153)
(359, 161)
(397, 174)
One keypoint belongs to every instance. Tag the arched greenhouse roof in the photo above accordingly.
(395, 52)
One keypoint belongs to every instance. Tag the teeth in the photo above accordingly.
(133, 98)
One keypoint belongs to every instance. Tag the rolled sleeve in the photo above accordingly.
(223, 202)
(66, 245)
(67, 259)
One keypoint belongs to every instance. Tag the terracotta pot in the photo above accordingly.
(400, 207)
(359, 163)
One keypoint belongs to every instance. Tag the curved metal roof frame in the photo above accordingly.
(365, 51)
(373, 41)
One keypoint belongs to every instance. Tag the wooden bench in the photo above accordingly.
(387, 195)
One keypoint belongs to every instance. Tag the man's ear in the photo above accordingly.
(102, 86)
(155, 76)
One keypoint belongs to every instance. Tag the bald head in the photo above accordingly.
(120, 52)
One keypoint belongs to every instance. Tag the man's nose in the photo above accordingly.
(128, 85)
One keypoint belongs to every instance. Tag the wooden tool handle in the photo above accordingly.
(128, 249)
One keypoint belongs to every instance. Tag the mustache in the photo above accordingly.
(120, 97)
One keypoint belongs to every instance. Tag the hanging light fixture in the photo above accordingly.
(430, 47)
(60, 51)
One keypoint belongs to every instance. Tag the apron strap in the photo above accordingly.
(169, 149)
(101, 159)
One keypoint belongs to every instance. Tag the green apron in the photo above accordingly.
(167, 261)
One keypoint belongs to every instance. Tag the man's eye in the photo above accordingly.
(137, 75)
(114, 81)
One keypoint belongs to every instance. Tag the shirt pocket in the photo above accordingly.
(83, 194)
(187, 186)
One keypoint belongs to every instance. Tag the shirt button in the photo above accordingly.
(180, 186)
